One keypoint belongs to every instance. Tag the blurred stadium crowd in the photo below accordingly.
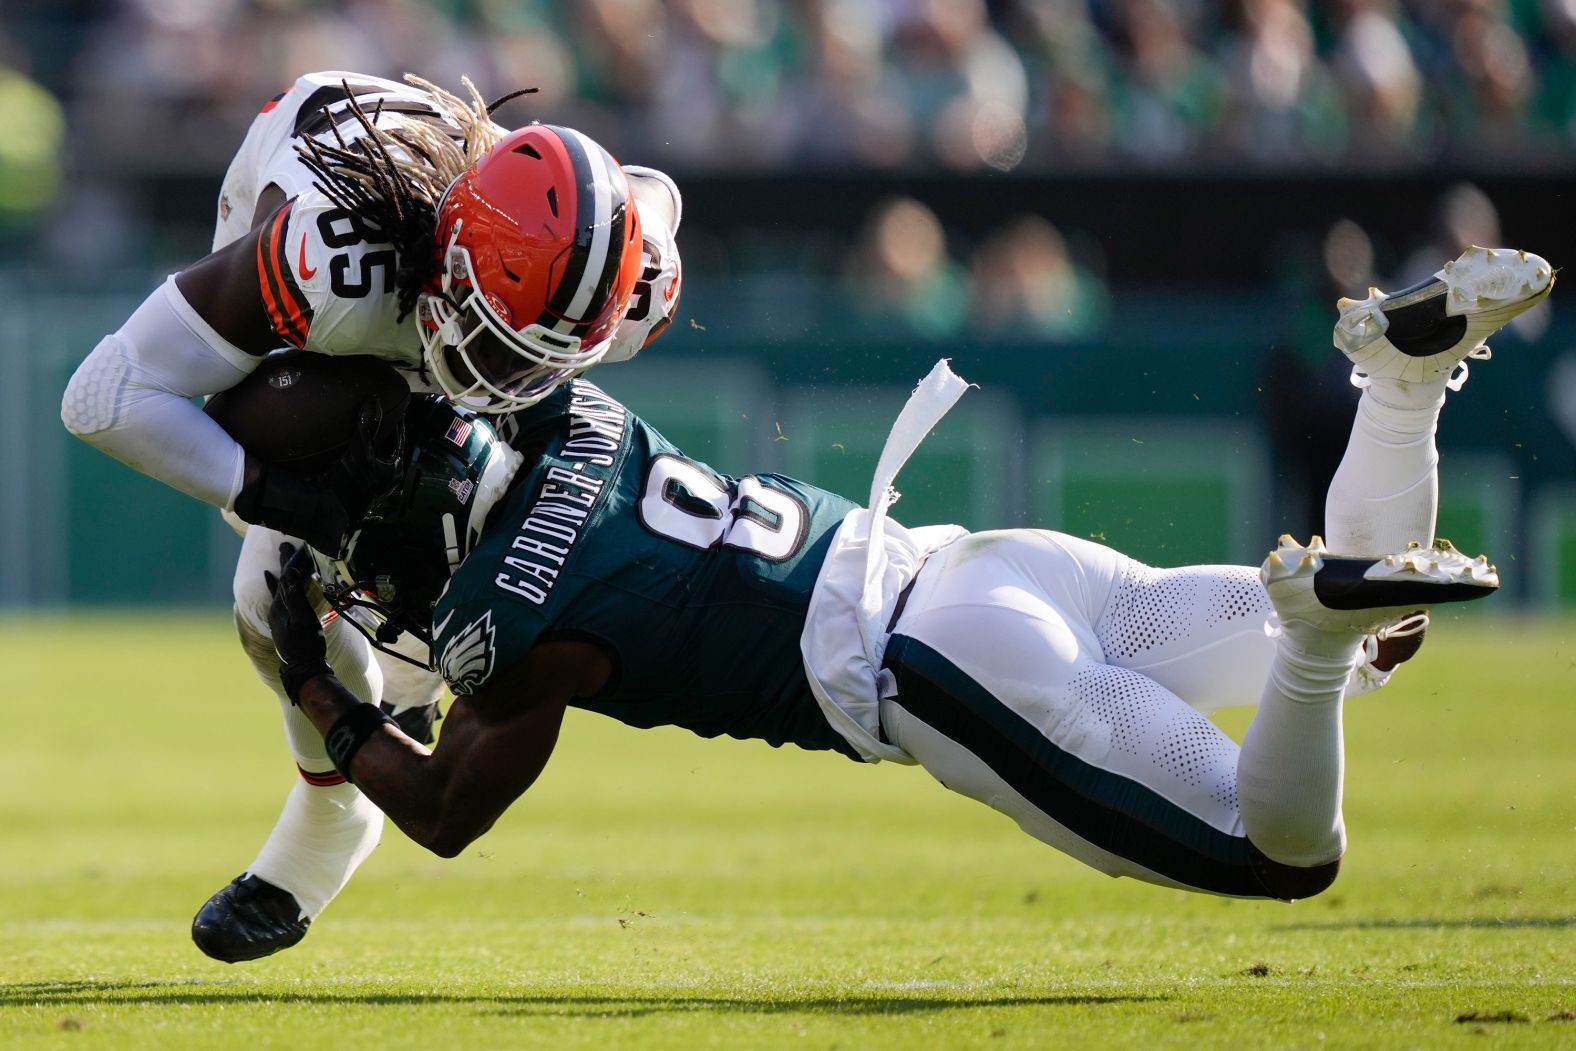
(118, 100)
(872, 174)
(883, 84)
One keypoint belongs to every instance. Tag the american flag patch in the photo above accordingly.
(459, 430)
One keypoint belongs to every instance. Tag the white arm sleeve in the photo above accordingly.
(131, 398)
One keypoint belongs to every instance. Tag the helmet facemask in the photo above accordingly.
(540, 250)
(479, 360)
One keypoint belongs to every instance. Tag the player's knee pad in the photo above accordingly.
(1291, 882)
(416, 723)
(411, 693)
(259, 647)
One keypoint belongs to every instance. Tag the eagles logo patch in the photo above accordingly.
(467, 660)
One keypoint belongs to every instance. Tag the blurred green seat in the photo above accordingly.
(1479, 496)
(716, 411)
(1166, 492)
(966, 472)
(1551, 569)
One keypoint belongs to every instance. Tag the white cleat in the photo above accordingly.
(1364, 595)
(1424, 332)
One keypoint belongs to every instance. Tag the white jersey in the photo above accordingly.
(268, 154)
(327, 281)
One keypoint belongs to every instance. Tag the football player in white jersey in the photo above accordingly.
(367, 217)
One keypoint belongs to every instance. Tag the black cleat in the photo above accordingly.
(248, 919)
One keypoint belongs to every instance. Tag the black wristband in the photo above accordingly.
(294, 676)
(345, 738)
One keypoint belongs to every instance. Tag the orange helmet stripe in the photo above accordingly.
(288, 310)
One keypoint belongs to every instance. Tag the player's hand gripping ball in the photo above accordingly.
(322, 437)
(371, 465)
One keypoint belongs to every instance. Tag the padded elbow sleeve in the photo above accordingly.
(88, 405)
(132, 398)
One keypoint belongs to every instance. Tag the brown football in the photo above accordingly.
(299, 409)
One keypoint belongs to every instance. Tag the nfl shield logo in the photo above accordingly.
(459, 430)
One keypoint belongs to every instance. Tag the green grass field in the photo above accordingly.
(659, 891)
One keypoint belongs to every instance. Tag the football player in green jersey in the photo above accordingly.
(368, 217)
(1056, 680)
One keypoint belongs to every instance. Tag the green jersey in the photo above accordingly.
(696, 583)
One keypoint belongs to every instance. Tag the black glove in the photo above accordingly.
(322, 508)
(280, 499)
(298, 635)
(372, 465)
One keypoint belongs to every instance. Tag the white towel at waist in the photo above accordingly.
(870, 561)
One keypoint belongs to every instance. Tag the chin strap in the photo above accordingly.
(348, 600)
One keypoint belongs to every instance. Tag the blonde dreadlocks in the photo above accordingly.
(392, 176)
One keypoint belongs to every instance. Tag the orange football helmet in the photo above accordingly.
(541, 247)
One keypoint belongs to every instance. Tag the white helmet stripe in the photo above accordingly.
(602, 174)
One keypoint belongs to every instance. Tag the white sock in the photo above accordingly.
(350, 655)
(322, 835)
(325, 831)
(1292, 761)
(1385, 493)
